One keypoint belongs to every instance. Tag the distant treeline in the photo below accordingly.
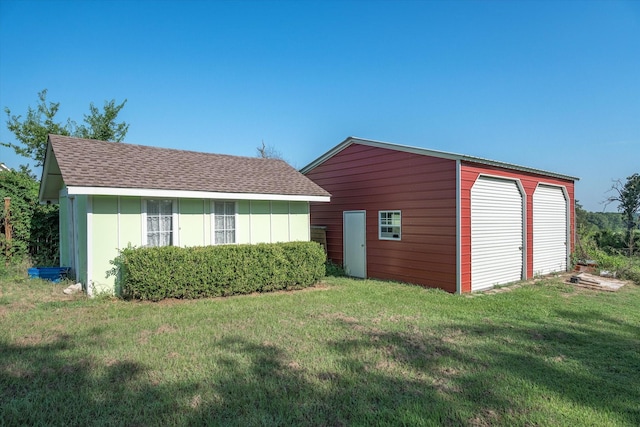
(611, 221)
(607, 230)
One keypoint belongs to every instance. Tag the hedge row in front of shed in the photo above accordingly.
(155, 273)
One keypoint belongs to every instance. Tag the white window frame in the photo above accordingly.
(174, 220)
(213, 222)
(381, 225)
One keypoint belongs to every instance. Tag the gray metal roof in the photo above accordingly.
(426, 152)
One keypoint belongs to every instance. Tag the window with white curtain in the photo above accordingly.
(224, 222)
(159, 222)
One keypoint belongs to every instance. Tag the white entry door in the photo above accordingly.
(354, 235)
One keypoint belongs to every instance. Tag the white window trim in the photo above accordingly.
(175, 225)
(213, 221)
(380, 225)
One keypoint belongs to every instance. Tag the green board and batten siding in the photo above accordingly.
(104, 241)
(99, 216)
(192, 222)
(64, 231)
(73, 239)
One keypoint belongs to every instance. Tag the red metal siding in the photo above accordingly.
(469, 173)
(424, 188)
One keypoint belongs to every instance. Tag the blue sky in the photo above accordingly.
(545, 84)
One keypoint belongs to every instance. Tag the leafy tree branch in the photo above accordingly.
(627, 196)
(31, 131)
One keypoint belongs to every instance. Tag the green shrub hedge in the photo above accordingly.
(211, 271)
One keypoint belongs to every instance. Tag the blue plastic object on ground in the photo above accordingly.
(54, 274)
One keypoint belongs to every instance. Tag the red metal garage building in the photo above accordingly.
(438, 219)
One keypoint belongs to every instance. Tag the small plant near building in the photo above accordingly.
(333, 269)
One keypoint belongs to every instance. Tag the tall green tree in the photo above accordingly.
(102, 125)
(627, 195)
(31, 131)
(36, 226)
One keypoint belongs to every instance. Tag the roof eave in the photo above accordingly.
(189, 194)
(326, 156)
(427, 152)
(45, 180)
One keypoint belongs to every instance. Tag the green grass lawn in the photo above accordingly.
(346, 352)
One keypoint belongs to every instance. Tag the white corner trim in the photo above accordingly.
(308, 222)
(288, 221)
(118, 226)
(204, 223)
(458, 228)
(250, 222)
(143, 222)
(149, 192)
(90, 246)
(175, 206)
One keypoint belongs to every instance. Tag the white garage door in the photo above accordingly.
(496, 232)
(549, 230)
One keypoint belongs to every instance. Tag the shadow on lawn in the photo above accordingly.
(581, 360)
(41, 385)
(578, 359)
(414, 378)
(376, 377)
(273, 390)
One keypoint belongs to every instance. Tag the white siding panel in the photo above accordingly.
(549, 230)
(496, 232)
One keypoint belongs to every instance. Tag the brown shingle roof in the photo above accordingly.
(91, 163)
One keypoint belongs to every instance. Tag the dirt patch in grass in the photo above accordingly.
(342, 317)
(143, 337)
(453, 336)
(29, 340)
(293, 365)
(322, 286)
(110, 361)
(195, 401)
(145, 334)
(20, 306)
(486, 418)
(166, 329)
(40, 339)
(398, 318)
(29, 294)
